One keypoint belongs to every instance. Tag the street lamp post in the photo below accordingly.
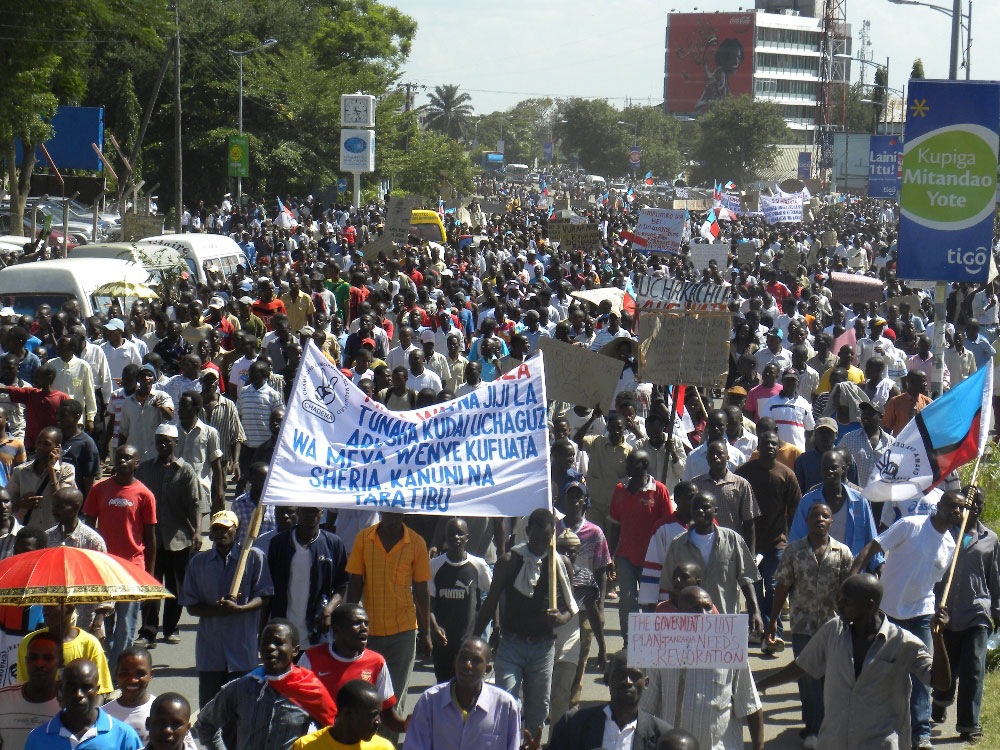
(635, 144)
(941, 288)
(239, 55)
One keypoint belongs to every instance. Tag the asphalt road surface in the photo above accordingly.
(174, 670)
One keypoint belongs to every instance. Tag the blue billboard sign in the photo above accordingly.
(805, 165)
(885, 156)
(948, 189)
(75, 129)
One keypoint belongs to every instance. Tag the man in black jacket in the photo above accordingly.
(603, 726)
(307, 600)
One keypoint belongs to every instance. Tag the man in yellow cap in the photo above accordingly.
(226, 646)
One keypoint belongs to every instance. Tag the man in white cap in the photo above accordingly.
(118, 350)
(220, 322)
(434, 361)
(176, 488)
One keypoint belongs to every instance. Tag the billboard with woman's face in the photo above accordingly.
(709, 58)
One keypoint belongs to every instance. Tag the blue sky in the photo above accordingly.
(502, 52)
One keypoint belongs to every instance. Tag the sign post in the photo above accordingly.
(948, 190)
(884, 152)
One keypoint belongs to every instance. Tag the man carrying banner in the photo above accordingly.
(918, 550)
(526, 654)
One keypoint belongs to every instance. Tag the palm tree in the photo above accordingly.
(448, 111)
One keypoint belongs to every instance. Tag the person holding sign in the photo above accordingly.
(867, 663)
(526, 654)
(711, 704)
(620, 723)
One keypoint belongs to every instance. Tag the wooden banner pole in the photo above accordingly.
(255, 521)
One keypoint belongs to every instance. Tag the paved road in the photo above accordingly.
(175, 670)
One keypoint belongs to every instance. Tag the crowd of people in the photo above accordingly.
(121, 432)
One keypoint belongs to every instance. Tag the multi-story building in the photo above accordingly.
(770, 56)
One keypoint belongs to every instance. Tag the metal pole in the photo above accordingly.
(968, 43)
(178, 158)
(239, 180)
(357, 190)
(941, 288)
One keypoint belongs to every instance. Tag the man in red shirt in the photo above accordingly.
(266, 306)
(123, 510)
(638, 507)
(41, 403)
(348, 658)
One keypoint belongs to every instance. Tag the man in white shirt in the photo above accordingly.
(866, 346)
(918, 551)
(73, 376)
(773, 352)
(399, 356)
(420, 377)
(434, 361)
(790, 412)
(118, 350)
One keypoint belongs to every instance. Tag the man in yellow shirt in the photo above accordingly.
(358, 710)
(298, 305)
(390, 567)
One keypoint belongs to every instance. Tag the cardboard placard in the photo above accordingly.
(680, 640)
(580, 237)
(493, 207)
(381, 244)
(555, 229)
(684, 348)
(139, 226)
(576, 375)
(790, 259)
(397, 219)
(912, 299)
(746, 253)
(703, 252)
(612, 294)
(850, 288)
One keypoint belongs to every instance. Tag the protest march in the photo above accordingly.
(590, 422)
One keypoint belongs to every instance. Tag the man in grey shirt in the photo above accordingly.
(866, 662)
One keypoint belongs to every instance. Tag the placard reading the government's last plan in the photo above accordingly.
(679, 640)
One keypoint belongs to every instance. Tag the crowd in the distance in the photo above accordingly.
(122, 431)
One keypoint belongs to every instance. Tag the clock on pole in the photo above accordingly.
(357, 111)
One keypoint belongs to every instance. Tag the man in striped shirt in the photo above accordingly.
(255, 403)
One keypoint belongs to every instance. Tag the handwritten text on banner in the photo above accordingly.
(668, 294)
(679, 640)
(483, 454)
(661, 228)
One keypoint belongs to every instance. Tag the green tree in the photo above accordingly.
(737, 139)
(431, 160)
(449, 111)
(45, 57)
(853, 108)
(917, 71)
(592, 132)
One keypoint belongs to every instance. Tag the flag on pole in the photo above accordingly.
(285, 219)
(717, 193)
(730, 185)
(628, 302)
(944, 435)
(649, 178)
(711, 229)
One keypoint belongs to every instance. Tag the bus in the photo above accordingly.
(492, 161)
(518, 173)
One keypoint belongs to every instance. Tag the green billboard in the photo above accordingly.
(238, 156)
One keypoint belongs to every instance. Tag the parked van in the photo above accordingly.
(596, 182)
(197, 250)
(53, 282)
(159, 261)
(427, 225)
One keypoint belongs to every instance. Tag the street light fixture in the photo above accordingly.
(239, 55)
(957, 17)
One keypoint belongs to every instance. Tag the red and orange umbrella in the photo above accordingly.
(67, 575)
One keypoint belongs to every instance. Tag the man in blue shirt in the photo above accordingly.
(226, 645)
(81, 725)
(853, 522)
(981, 349)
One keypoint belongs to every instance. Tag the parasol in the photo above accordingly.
(122, 289)
(67, 575)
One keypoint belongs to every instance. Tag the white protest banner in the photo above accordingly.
(397, 218)
(484, 454)
(731, 201)
(678, 640)
(576, 375)
(778, 210)
(703, 252)
(655, 294)
(661, 228)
